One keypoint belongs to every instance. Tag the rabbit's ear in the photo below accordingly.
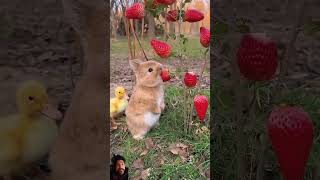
(134, 64)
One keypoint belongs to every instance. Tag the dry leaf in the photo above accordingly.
(142, 175)
(138, 164)
(181, 150)
(145, 173)
(174, 149)
(149, 143)
(183, 155)
(161, 161)
(183, 146)
(144, 152)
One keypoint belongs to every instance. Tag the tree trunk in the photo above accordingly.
(151, 26)
(81, 150)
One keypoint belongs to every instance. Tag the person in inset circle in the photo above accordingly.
(118, 169)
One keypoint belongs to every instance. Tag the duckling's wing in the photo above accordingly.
(10, 149)
(122, 105)
(113, 106)
(39, 138)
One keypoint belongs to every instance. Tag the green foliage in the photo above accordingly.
(242, 25)
(219, 29)
(312, 27)
(155, 11)
(6, 29)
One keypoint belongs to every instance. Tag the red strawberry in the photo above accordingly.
(172, 16)
(290, 131)
(204, 36)
(136, 11)
(166, 2)
(201, 105)
(257, 57)
(165, 75)
(161, 48)
(190, 79)
(193, 15)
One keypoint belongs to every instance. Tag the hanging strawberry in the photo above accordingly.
(193, 15)
(172, 16)
(136, 11)
(165, 75)
(257, 57)
(166, 2)
(190, 79)
(204, 36)
(161, 48)
(201, 105)
(291, 132)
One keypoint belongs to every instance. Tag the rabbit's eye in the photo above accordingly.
(150, 69)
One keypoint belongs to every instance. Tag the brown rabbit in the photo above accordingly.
(147, 100)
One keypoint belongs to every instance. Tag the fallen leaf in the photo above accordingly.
(184, 155)
(183, 146)
(149, 143)
(142, 175)
(161, 161)
(144, 152)
(207, 173)
(181, 150)
(138, 164)
(145, 173)
(174, 149)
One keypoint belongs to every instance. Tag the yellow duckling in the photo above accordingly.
(27, 136)
(117, 105)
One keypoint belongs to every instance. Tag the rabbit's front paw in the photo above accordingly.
(157, 110)
(138, 137)
(162, 106)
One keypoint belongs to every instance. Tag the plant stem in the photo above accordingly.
(201, 71)
(292, 39)
(127, 29)
(135, 35)
(142, 31)
(238, 92)
(135, 39)
(185, 111)
(263, 151)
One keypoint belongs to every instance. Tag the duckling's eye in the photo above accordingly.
(150, 69)
(30, 98)
(119, 92)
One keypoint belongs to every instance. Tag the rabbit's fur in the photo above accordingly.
(147, 100)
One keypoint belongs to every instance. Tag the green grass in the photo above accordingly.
(193, 48)
(224, 140)
(170, 131)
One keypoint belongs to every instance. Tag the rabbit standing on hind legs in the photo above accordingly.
(147, 100)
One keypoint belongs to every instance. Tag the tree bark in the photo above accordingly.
(81, 151)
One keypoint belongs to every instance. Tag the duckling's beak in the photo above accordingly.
(51, 112)
(126, 96)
